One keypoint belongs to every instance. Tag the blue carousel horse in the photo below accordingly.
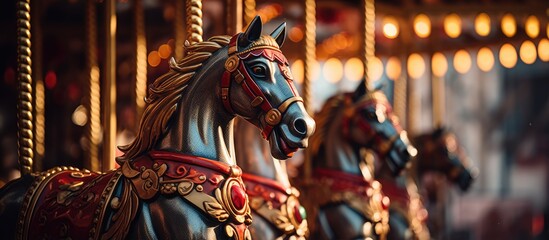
(178, 179)
(276, 210)
(342, 199)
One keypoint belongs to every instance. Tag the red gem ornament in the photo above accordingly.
(297, 214)
(238, 196)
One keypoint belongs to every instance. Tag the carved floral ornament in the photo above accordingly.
(213, 187)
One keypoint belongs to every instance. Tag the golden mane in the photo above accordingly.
(165, 94)
(323, 120)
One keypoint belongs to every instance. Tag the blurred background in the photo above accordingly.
(479, 68)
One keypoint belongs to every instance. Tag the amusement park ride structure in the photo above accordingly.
(164, 162)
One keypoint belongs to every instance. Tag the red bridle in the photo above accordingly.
(235, 69)
(384, 144)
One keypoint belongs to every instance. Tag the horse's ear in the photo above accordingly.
(279, 34)
(439, 131)
(360, 91)
(252, 33)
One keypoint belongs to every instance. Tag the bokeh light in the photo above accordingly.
(393, 68)
(508, 55)
(527, 52)
(164, 51)
(439, 64)
(154, 58)
(462, 61)
(452, 25)
(482, 24)
(298, 71)
(543, 49)
(375, 69)
(333, 70)
(415, 65)
(532, 26)
(422, 26)
(390, 27)
(354, 69)
(508, 25)
(485, 59)
(295, 34)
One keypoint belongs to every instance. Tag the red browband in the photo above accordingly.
(235, 69)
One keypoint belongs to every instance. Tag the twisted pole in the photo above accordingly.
(140, 59)
(368, 36)
(194, 21)
(309, 62)
(24, 71)
(39, 98)
(93, 104)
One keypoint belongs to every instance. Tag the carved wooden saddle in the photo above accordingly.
(69, 203)
(278, 205)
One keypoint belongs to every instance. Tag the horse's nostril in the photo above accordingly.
(300, 126)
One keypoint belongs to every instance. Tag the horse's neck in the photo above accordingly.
(202, 127)
(253, 154)
(337, 153)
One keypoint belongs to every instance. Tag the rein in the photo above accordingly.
(235, 69)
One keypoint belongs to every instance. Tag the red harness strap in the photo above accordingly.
(235, 69)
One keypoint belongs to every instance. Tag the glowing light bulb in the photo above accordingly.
(439, 64)
(422, 26)
(508, 55)
(485, 59)
(452, 25)
(482, 24)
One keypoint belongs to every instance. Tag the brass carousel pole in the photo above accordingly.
(179, 24)
(39, 98)
(24, 71)
(194, 21)
(140, 58)
(368, 36)
(109, 103)
(93, 103)
(234, 16)
(308, 68)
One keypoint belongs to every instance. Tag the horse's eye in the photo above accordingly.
(258, 70)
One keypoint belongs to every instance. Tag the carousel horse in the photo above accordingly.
(342, 198)
(275, 207)
(440, 156)
(178, 179)
(437, 152)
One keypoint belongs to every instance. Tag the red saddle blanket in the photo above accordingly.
(68, 203)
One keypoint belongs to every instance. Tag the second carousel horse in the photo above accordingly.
(178, 179)
(342, 198)
(275, 207)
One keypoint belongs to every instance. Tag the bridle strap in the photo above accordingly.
(235, 70)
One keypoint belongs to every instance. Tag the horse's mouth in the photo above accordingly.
(281, 148)
(289, 151)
